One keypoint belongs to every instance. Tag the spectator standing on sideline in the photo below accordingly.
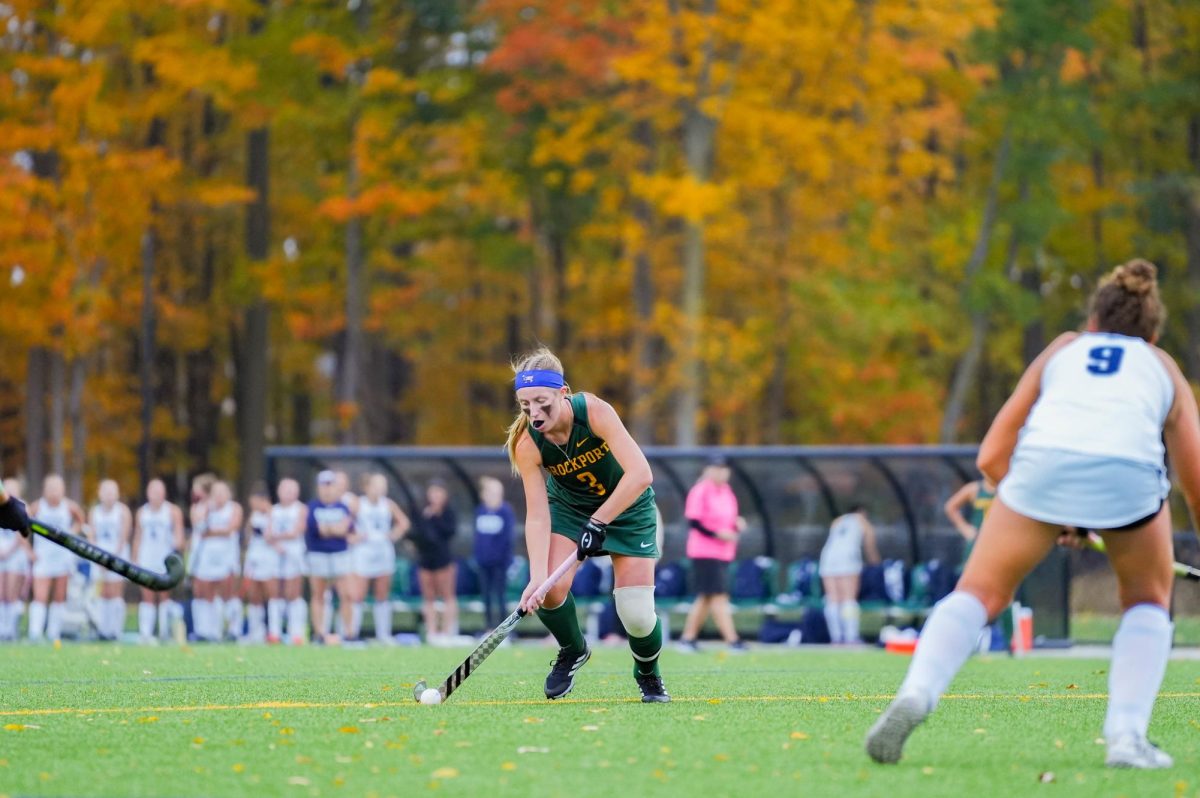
(841, 567)
(494, 526)
(436, 569)
(714, 524)
(978, 494)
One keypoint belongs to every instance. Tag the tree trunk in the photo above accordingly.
(36, 371)
(78, 459)
(147, 356)
(252, 366)
(699, 132)
(349, 371)
(58, 412)
(1191, 233)
(643, 361)
(968, 363)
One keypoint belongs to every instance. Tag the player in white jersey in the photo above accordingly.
(378, 524)
(215, 562)
(109, 527)
(52, 564)
(261, 561)
(1079, 443)
(841, 567)
(158, 531)
(282, 575)
(14, 571)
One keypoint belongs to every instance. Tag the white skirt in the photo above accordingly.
(1082, 490)
(373, 558)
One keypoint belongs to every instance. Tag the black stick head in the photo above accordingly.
(174, 565)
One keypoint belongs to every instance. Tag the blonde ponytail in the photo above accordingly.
(539, 359)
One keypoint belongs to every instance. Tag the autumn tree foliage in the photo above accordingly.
(229, 222)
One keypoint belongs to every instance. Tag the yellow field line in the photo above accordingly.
(264, 705)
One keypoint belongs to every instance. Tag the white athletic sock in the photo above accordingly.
(948, 638)
(218, 618)
(256, 622)
(275, 610)
(327, 621)
(850, 615)
(37, 620)
(356, 616)
(16, 608)
(167, 612)
(233, 616)
(146, 612)
(833, 619)
(115, 617)
(1141, 647)
(202, 619)
(297, 622)
(54, 620)
(383, 620)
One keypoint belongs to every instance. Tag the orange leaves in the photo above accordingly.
(331, 55)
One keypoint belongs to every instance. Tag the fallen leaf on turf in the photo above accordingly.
(1072, 687)
(299, 781)
(15, 727)
(239, 768)
(342, 759)
(197, 741)
(928, 771)
(462, 744)
(721, 757)
(444, 773)
(1046, 778)
(438, 732)
(598, 710)
(508, 765)
(714, 700)
(148, 719)
(1099, 741)
(981, 731)
(799, 735)
(1059, 744)
(287, 730)
(301, 759)
(589, 728)
(267, 715)
(529, 749)
(349, 730)
(699, 717)
(533, 720)
(664, 750)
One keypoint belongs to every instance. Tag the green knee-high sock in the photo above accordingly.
(646, 650)
(563, 623)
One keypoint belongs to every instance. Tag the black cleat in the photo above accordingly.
(653, 690)
(561, 679)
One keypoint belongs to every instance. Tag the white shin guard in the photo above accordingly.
(635, 608)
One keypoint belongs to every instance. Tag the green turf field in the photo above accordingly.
(93, 720)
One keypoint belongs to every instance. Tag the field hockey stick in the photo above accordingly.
(495, 637)
(118, 565)
(1182, 570)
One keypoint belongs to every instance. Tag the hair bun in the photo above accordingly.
(1138, 276)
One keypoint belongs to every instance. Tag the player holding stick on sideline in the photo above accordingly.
(1078, 444)
(597, 500)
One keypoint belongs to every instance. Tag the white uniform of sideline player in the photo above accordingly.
(1079, 443)
(14, 571)
(841, 567)
(110, 524)
(379, 523)
(283, 574)
(158, 531)
(217, 560)
(52, 564)
(261, 561)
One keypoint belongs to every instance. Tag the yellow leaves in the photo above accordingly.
(148, 719)
(382, 82)
(799, 735)
(508, 766)
(215, 194)
(331, 55)
(17, 727)
(684, 197)
(444, 773)
(349, 730)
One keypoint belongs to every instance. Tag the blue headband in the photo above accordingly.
(538, 378)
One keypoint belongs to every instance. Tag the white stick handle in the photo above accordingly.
(539, 595)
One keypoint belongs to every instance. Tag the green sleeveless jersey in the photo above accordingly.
(583, 471)
(982, 503)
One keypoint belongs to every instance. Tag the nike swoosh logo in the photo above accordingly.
(582, 442)
(646, 545)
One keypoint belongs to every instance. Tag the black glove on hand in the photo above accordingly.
(591, 539)
(13, 516)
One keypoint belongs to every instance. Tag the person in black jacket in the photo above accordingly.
(436, 569)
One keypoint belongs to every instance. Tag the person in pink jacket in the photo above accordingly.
(714, 526)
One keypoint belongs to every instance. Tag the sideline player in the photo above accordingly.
(841, 567)
(52, 564)
(597, 500)
(330, 524)
(1079, 443)
(215, 562)
(158, 531)
(15, 550)
(261, 567)
(380, 523)
(978, 494)
(110, 524)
